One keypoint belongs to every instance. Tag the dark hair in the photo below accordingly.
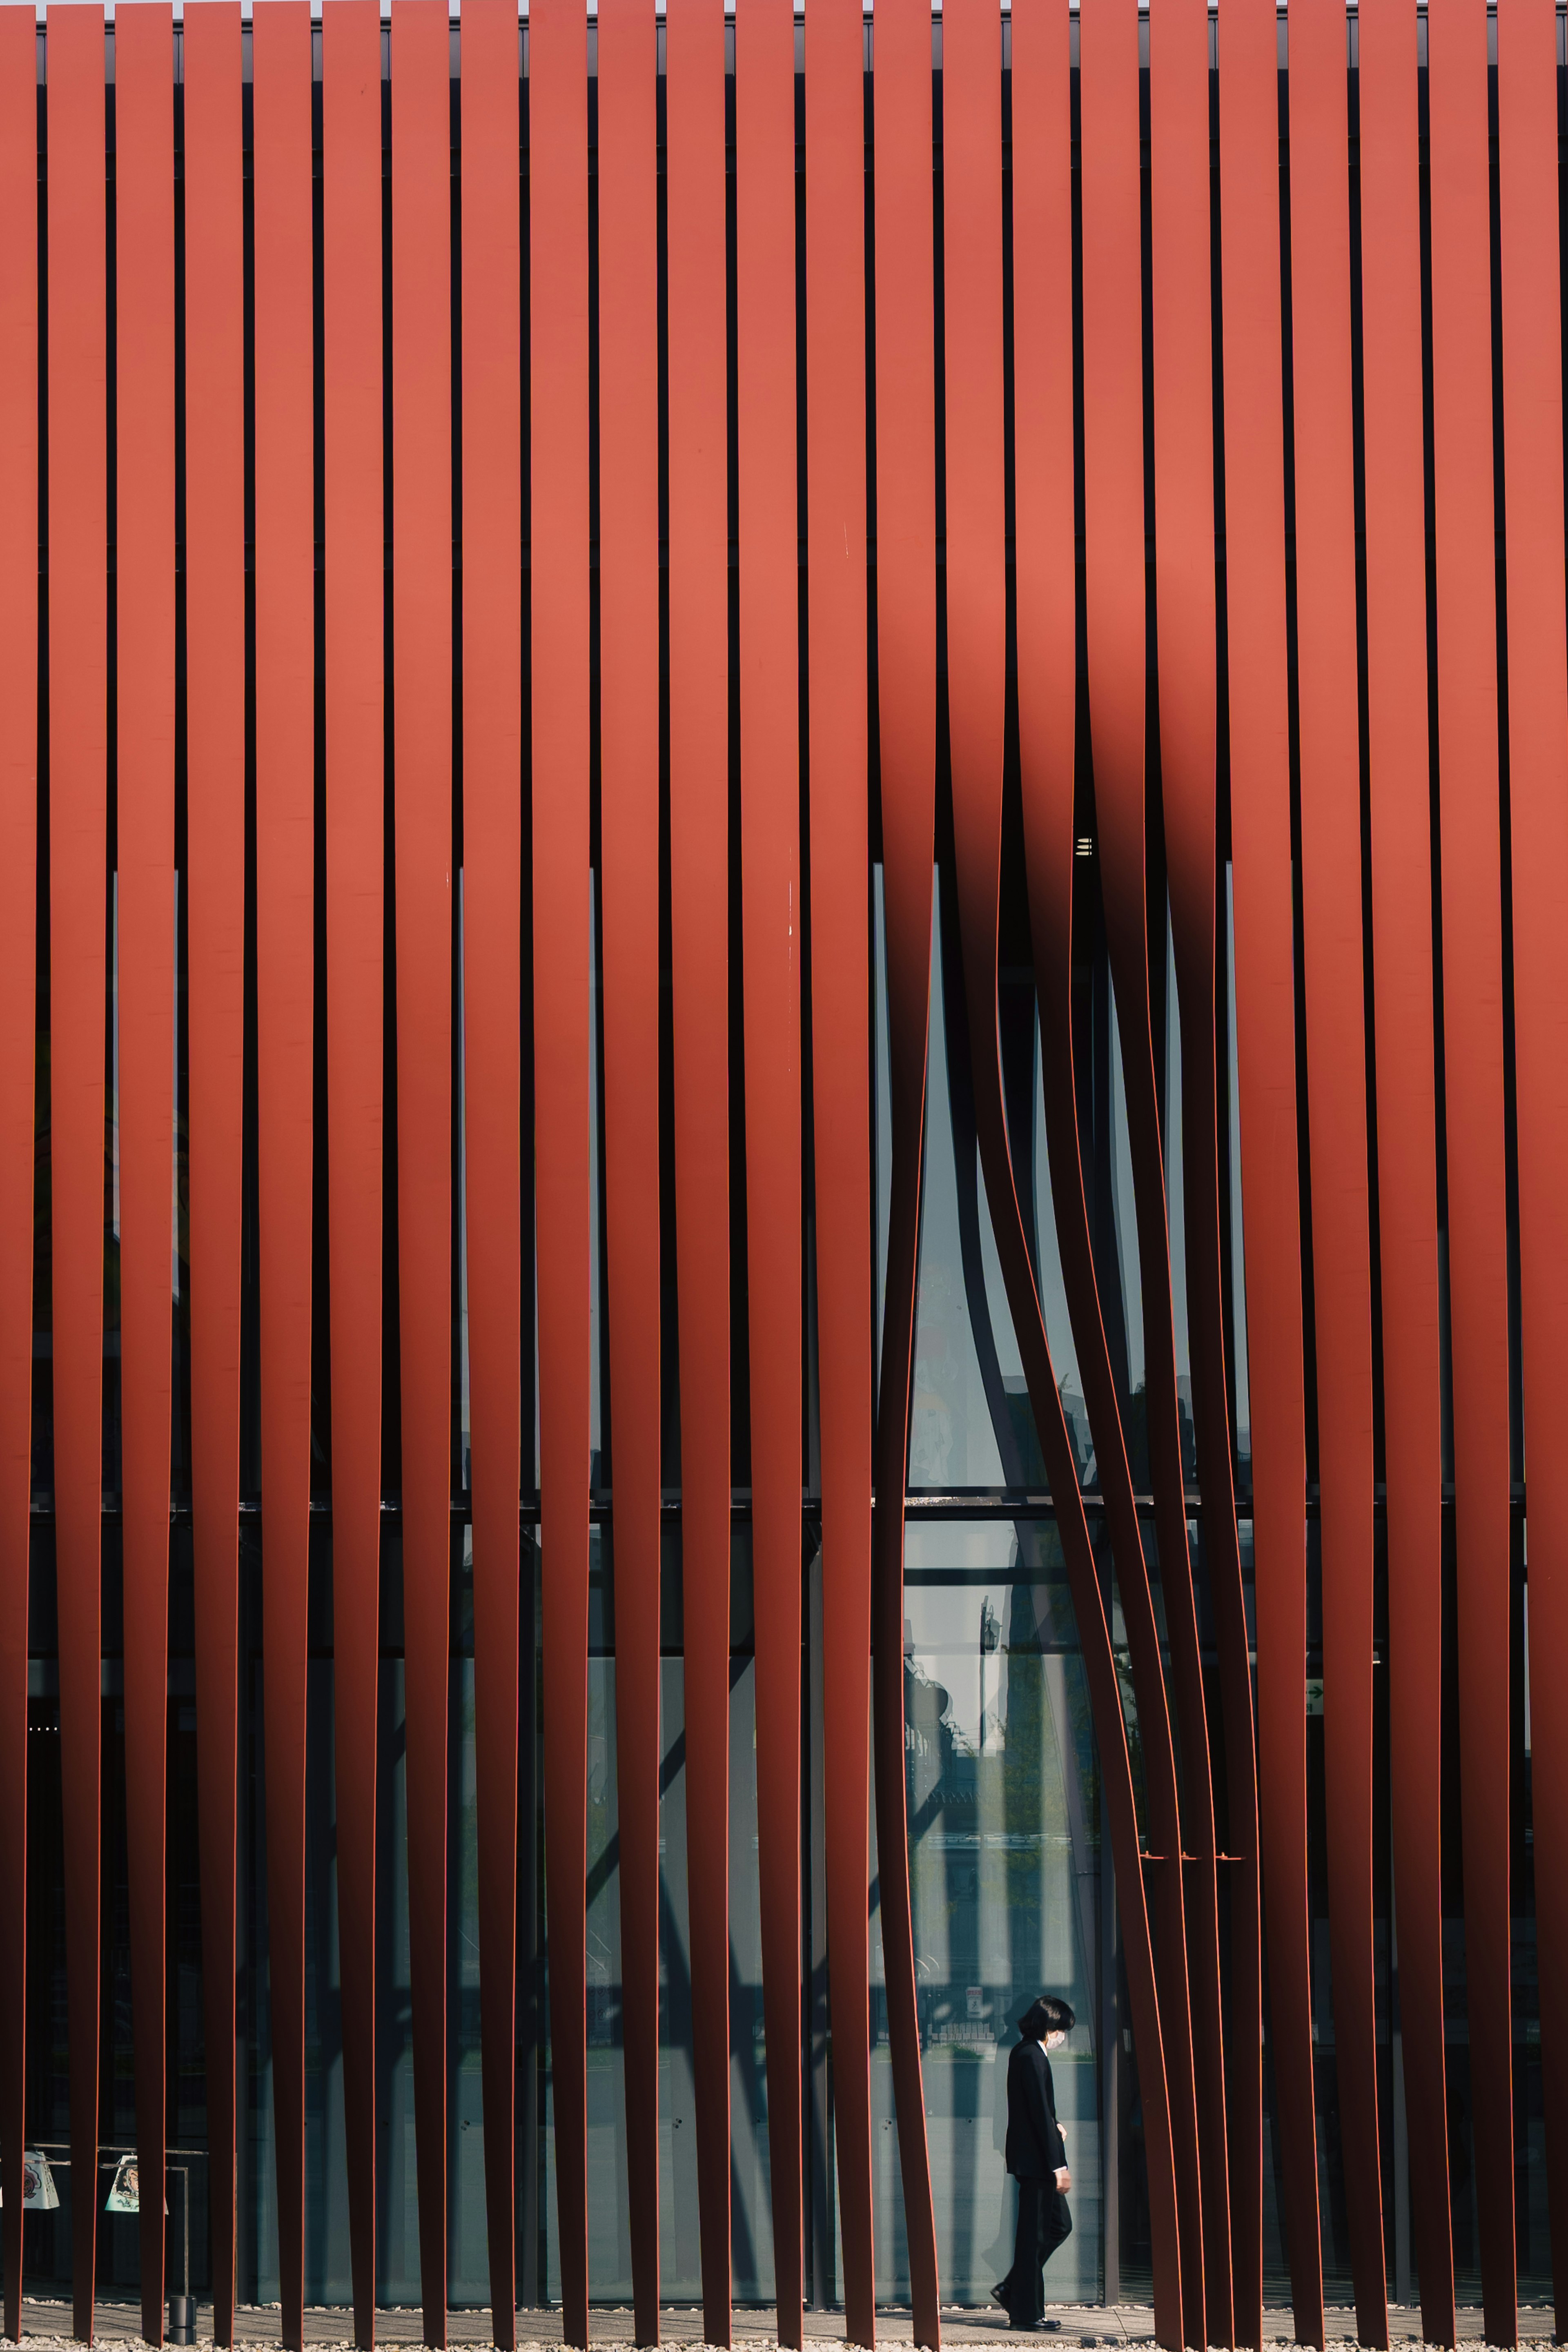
(1047, 2015)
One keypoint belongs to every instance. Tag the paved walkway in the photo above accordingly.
(46, 2326)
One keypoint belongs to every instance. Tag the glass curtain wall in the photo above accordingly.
(1012, 1888)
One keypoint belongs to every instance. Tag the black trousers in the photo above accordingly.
(1043, 2222)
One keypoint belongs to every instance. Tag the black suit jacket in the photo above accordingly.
(1035, 2149)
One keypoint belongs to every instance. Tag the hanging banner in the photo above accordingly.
(124, 2196)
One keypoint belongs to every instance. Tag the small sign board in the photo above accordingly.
(125, 2191)
(40, 2194)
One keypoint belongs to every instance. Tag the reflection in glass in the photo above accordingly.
(609, 2240)
(1052, 1287)
(952, 1439)
(1004, 1868)
(1124, 1214)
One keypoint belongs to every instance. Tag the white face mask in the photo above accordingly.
(1055, 2039)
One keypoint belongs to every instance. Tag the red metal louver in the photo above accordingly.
(562, 1047)
(1400, 796)
(1266, 1051)
(79, 756)
(492, 1095)
(840, 1041)
(214, 834)
(355, 795)
(629, 865)
(771, 927)
(1538, 819)
(1186, 1929)
(906, 693)
(1470, 860)
(144, 645)
(422, 768)
(1334, 967)
(285, 959)
(1047, 626)
(700, 892)
(1181, 267)
(18, 1046)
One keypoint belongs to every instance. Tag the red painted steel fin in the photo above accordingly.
(770, 869)
(422, 765)
(355, 792)
(699, 886)
(215, 919)
(492, 919)
(906, 690)
(1201, 2099)
(144, 566)
(1334, 968)
(1046, 621)
(1538, 805)
(840, 816)
(78, 754)
(1188, 723)
(1470, 824)
(1265, 994)
(1400, 791)
(18, 1046)
(629, 855)
(1184, 1899)
(558, 228)
(285, 899)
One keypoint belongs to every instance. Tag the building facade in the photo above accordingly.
(784, 844)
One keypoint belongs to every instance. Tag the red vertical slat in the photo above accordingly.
(905, 697)
(1047, 623)
(1334, 966)
(700, 890)
(1400, 791)
(835, 573)
(1046, 704)
(1115, 601)
(78, 746)
(285, 897)
(1537, 815)
(1265, 1019)
(770, 867)
(492, 918)
(214, 920)
(422, 699)
(629, 860)
(977, 577)
(975, 483)
(18, 994)
(1188, 722)
(1470, 827)
(351, 413)
(558, 229)
(1046, 626)
(144, 565)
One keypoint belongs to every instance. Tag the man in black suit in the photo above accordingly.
(1038, 2159)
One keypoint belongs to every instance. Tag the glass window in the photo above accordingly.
(1003, 1802)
